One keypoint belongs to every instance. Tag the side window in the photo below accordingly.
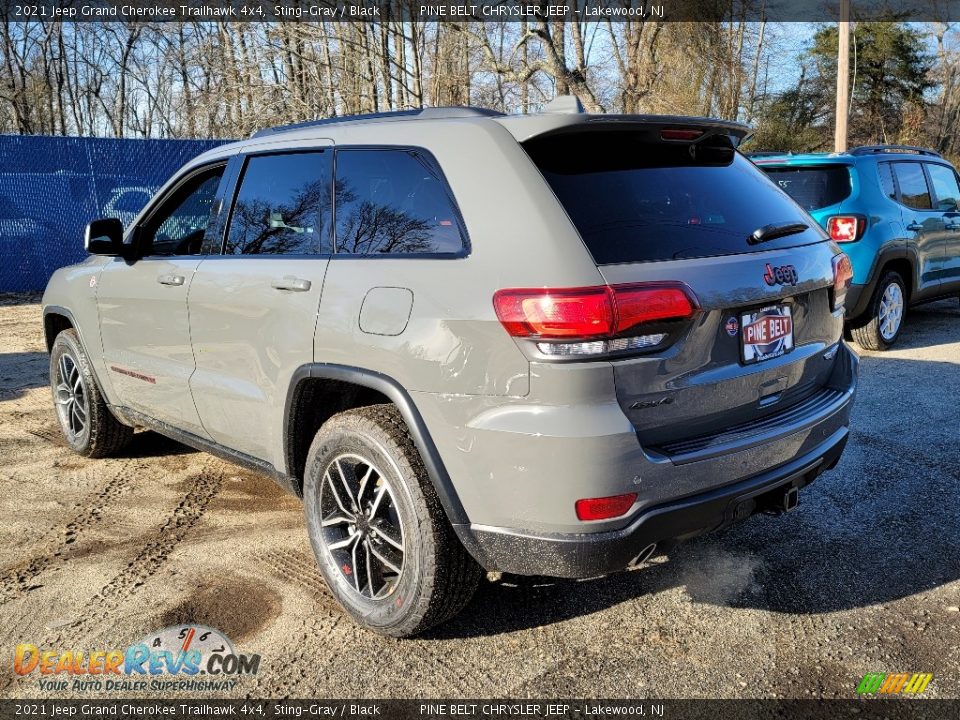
(178, 226)
(886, 180)
(393, 201)
(913, 185)
(283, 205)
(944, 187)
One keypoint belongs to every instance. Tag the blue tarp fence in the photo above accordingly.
(51, 187)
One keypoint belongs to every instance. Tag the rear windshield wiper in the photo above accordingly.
(774, 231)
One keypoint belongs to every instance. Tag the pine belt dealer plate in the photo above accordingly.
(766, 333)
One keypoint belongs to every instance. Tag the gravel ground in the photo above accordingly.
(864, 577)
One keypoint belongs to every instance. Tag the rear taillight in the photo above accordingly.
(568, 322)
(604, 508)
(842, 276)
(846, 228)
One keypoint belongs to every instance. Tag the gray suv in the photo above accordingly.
(551, 344)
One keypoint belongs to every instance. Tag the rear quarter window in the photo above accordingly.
(637, 199)
(394, 201)
(813, 187)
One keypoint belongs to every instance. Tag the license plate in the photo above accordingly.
(766, 333)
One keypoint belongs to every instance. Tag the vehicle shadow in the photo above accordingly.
(884, 525)
(22, 371)
(148, 444)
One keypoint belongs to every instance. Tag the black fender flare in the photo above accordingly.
(408, 410)
(879, 261)
(60, 310)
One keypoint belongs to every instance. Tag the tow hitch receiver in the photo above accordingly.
(781, 500)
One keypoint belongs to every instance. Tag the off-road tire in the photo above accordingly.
(103, 435)
(439, 577)
(866, 329)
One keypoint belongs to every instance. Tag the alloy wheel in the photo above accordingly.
(73, 407)
(361, 527)
(891, 311)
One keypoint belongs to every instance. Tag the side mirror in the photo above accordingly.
(104, 237)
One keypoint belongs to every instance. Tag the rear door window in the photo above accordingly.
(914, 192)
(813, 187)
(634, 199)
(944, 186)
(394, 201)
(283, 205)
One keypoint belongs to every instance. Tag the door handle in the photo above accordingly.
(289, 282)
(170, 279)
(952, 225)
(914, 226)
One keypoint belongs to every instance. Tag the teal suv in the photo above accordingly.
(894, 210)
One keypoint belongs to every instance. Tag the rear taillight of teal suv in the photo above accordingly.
(894, 211)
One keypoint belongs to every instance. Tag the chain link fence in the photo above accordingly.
(51, 187)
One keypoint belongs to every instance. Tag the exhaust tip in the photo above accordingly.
(791, 499)
(644, 555)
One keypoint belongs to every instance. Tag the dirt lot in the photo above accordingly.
(864, 577)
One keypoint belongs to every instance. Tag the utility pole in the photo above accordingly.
(843, 78)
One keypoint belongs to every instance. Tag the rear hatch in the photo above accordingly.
(822, 188)
(658, 206)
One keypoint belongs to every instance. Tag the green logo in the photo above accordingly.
(894, 683)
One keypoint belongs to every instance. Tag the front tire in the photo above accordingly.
(88, 426)
(881, 326)
(377, 528)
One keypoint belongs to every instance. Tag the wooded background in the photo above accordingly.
(214, 80)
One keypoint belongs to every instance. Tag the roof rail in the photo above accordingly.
(876, 149)
(438, 113)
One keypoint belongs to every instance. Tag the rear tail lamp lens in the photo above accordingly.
(845, 228)
(842, 277)
(573, 313)
(604, 508)
(590, 313)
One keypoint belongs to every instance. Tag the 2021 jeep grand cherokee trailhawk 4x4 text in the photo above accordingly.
(543, 345)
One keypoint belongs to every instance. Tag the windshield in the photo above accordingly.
(633, 200)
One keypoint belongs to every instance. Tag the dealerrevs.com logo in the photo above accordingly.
(180, 657)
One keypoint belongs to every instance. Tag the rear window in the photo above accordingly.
(636, 200)
(813, 187)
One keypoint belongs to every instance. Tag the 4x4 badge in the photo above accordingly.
(783, 275)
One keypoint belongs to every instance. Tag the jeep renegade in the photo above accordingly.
(895, 210)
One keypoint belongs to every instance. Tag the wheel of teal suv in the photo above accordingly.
(880, 327)
(87, 423)
(377, 528)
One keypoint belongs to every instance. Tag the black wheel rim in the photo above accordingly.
(360, 526)
(71, 397)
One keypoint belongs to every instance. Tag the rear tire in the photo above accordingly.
(393, 563)
(880, 327)
(88, 426)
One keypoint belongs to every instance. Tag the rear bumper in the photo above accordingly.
(592, 554)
